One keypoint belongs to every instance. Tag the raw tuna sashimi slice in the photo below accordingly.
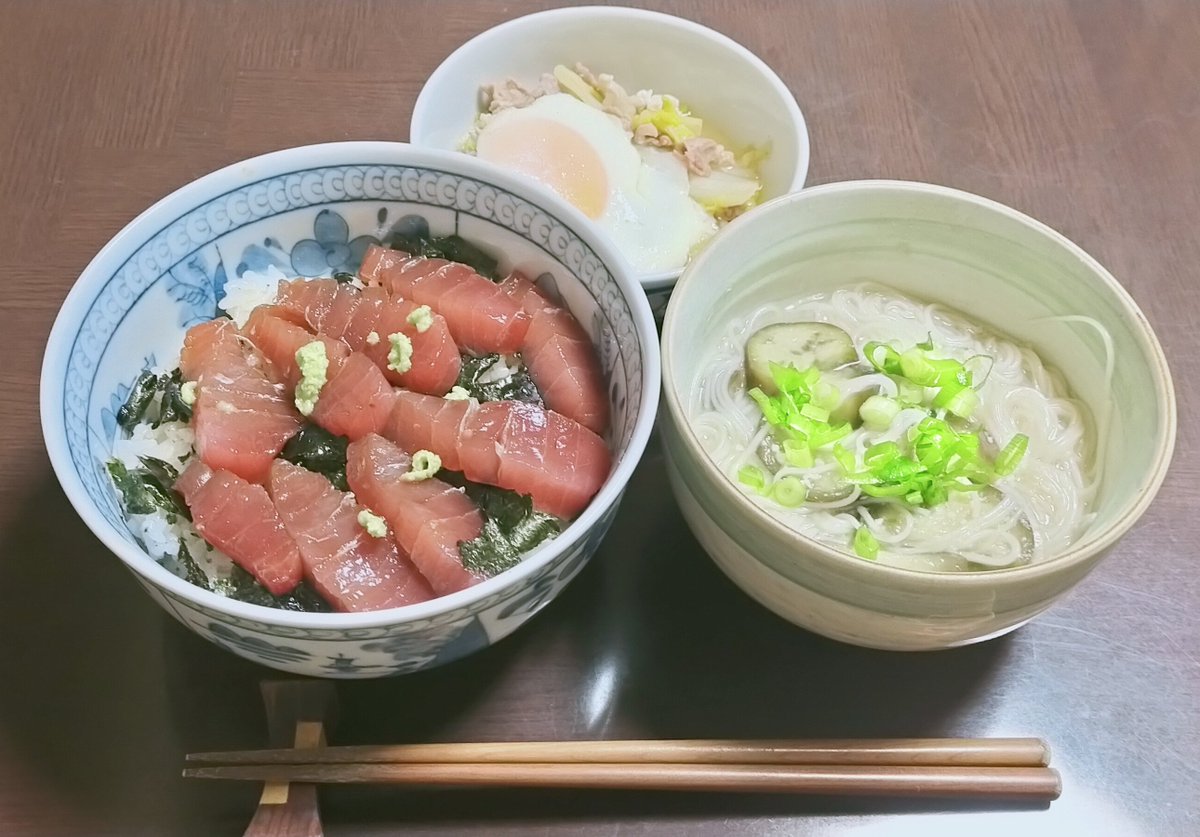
(347, 314)
(555, 460)
(352, 570)
(238, 518)
(273, 331)
(481, 317)
(425, 422)
(242, 416)
(560, 357)
(356, 400)
(428, 517)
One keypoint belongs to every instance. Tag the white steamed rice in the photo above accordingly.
(246, 292)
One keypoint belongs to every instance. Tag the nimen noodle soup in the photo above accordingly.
(897, 431)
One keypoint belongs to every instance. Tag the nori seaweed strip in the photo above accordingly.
(319, 450)
(162, 477)
(192, 572)
(518, 387)
(171, 406)
(141, 394)
(511, 528)
(242, 586)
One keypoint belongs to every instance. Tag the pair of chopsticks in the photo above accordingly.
(995, 768)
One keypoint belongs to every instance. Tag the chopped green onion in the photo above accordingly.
(881, 454)
(878, 411)
(883, 357)
(934, 494)
(865, 544)
(917, 368)
(927, 343)
(950, 372)
(812, 411)
(823, 434)
(826, 395)
(845, 458)
(1009, 458)
(789, 492)
(943, 396)
(887, 490)
(797, 454)
(800, 411)
(789, 378)
(770, 410)
(963, 403)
(752, 477)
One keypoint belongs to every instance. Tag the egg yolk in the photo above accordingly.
(553, 154)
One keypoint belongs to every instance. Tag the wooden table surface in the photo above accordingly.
(1084, 114)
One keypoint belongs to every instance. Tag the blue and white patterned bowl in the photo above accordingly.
(308, 211)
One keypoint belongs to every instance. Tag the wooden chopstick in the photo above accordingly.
(1029, 783)
(929, 752)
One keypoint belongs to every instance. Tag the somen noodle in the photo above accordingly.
(1014, 515)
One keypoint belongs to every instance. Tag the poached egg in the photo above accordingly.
(637, 194)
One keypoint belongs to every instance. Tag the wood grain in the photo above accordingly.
(1040, 784)
(957, 752)
(1083, 113)
(299, 714)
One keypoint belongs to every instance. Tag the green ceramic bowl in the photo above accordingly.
(1002, 268)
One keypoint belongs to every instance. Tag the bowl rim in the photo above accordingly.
(185, 198)
(1143, 495)
(661, 279)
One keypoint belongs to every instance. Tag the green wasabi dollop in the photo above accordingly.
(375, 525)
(425, 464)
(314, 367)
(400, 355)
(421, 318)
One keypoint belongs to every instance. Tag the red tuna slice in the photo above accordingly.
(352, 570)
(560, 357)
(481, 317)
(436, 361)
(352, 316)
(425, 422)
(208, 344)
(558, 462)
(428, 517)
(193, 478)
(238, 518)
(328, 307)
(311, 300)
(273, 331)
(530, 297)
(242, 416)
(555, 460)
(356, 400)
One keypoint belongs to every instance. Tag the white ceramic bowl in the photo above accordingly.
(1001, 268)
(720, 80)
(309, 210)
